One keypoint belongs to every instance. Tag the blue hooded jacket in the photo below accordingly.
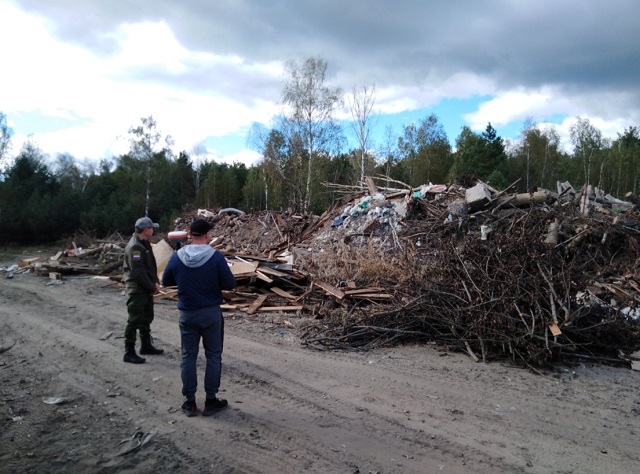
(200, 273)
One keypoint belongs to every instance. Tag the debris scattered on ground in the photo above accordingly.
(56, 400)
(536, 277)
(138, 440)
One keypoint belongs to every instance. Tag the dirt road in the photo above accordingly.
(410, 410)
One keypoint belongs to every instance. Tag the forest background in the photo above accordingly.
(44, 199)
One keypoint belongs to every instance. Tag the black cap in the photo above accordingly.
(200, 227)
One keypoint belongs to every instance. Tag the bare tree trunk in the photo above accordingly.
(148, 194)
(307, 199)
(361, 104)
(266, 189)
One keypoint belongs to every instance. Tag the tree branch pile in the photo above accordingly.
(535, 284)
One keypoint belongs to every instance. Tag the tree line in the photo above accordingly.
(44, 199)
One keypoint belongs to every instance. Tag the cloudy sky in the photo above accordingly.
(76, 75)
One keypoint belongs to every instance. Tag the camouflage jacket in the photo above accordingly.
(140, 268)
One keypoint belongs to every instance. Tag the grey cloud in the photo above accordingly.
(579, 46)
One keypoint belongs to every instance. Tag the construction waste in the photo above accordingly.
(535, 278)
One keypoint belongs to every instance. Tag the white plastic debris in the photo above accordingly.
(633, 313)
(56, 400)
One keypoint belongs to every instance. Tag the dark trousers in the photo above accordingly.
(140, 309)
(206, 324)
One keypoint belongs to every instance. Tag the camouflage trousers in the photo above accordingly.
(140, 309)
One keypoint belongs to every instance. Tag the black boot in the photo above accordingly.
(130, 354)
(147, 347)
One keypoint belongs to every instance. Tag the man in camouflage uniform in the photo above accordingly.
(141, 281)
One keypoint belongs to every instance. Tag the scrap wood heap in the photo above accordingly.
(86, 255)
(536, 283)
(535, 277)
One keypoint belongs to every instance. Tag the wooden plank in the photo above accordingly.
(228, 294)
(370, 289)
(90, 252)
(284, 294)
(240, 267)
(372, 296)
(371, 186)
(216, 241)
(25, 262)
(332, 290)
(166, 294)
(282, 308)
(271, 271)
(244, 291)
(555, 330)
(240, 276)
(256, 304)
(263, 277)
(249, 257)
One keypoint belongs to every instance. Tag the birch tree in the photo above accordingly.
(627, 161)
(311, 106)
(536, 155)
(5, 138)
(361, 102)
(588, 143)
(198, 154)
(144, 144)
(388, 152)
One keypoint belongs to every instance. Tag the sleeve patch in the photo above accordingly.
(136, 256)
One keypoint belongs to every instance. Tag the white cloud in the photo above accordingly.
(466, 84)
(518, 105)
(510, 106)
(99, 99)
(248, 157)
(148, 44)
(609, 129)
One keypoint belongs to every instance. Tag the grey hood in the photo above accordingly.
(194, 256)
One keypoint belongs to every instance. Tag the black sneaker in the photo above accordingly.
(189, 408)
(213, 405)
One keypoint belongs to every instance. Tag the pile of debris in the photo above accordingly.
(536, 277)
(81, 254)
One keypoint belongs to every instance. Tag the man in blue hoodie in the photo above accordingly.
(200, 273)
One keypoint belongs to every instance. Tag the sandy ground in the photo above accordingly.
(410, 409)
